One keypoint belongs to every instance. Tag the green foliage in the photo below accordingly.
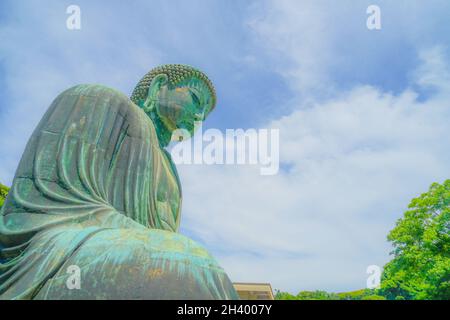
(356, 295)
(373, 297)
(364, 294)
(3, 192)
(316, 295)
(420, 268)
(307, 295)
(421, 240)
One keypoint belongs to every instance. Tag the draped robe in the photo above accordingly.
(95, 190)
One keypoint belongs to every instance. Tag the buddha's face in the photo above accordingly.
(180, 108)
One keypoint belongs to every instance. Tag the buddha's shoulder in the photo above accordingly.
(94, 90)
(99, 98)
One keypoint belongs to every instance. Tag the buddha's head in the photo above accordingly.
(175, 97)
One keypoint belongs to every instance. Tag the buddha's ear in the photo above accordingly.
(152, 95)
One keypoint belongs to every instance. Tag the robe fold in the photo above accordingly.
(95, 190)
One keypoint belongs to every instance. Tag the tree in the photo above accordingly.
(316, 295)
(3, 192)
(284, 296)
(373, 297)
(361, 294)
(420, 268)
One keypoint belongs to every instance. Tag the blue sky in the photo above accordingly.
(363, 116)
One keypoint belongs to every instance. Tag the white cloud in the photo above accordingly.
(322, 47)
(297, 37)
(355, 163)
(434, 72)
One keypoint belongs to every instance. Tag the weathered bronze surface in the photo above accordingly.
(96, 189)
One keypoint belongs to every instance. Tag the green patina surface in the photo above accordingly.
(95, 188)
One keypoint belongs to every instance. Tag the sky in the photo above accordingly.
(363, 116)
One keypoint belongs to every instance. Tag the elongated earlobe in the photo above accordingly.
(153, 90)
